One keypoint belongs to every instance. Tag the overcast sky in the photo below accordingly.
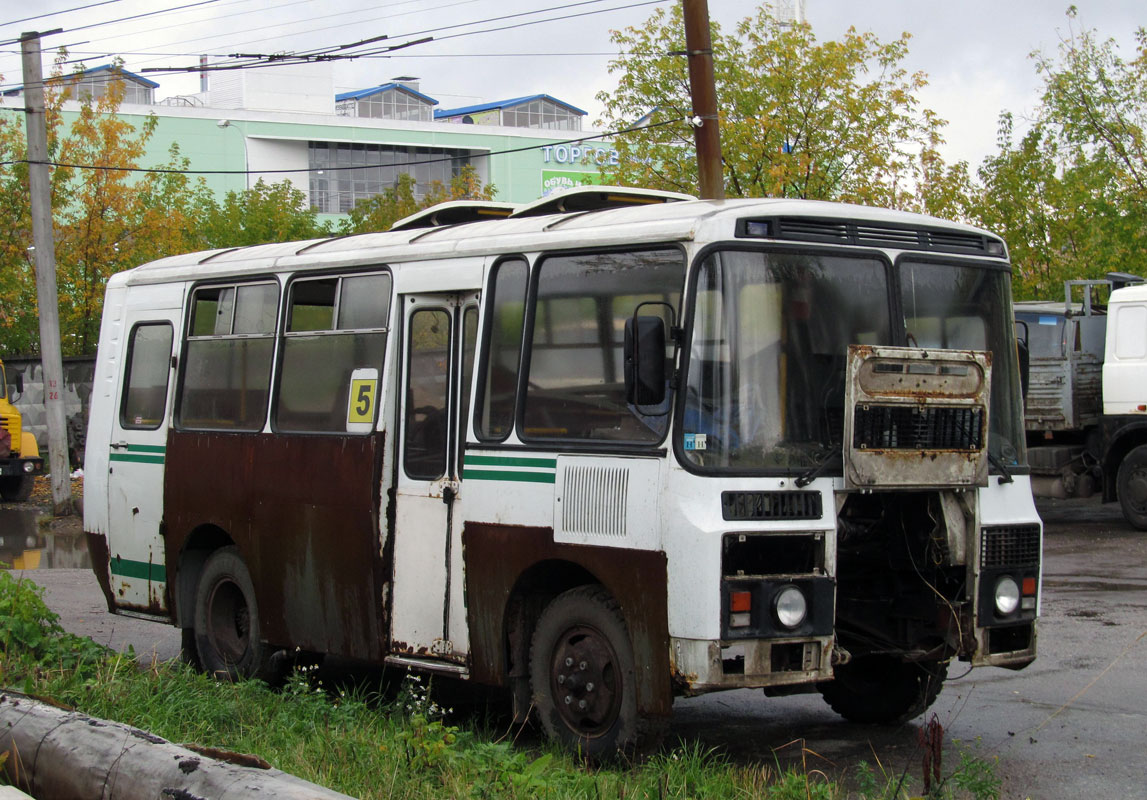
(975, 52)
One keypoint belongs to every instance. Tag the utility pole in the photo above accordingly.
(706, 128)
(41, 201)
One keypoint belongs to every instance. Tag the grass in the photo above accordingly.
(370, 743)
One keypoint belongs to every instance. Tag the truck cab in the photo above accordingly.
(20, 460)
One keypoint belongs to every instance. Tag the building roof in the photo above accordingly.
(119, 72)
(514, 101)
(361, 93)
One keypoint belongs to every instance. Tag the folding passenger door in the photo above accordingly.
(438, 347)
(136, 458)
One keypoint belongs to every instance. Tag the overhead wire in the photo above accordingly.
(436, 160)
(57, 13)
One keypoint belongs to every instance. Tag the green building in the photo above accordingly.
(287, 123)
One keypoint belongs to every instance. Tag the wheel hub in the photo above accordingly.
(584, 681)
(230, 621)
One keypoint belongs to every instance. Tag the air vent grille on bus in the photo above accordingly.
(1009, 546)
(914, 428)
(595, 500)
(871, 234)
(770, 505)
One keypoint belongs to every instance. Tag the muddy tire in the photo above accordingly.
(18, 488)
(1131, 485)
(882, 690)
(582, 677)
(227, 634)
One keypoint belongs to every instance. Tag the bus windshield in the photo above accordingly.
(765, 381)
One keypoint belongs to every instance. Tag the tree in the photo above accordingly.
(1070, 197)
(838, 120)
(266, 212)
(395, 202)
(106, 216)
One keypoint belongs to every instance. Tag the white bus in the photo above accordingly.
(603, 450)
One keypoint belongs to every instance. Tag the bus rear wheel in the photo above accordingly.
(582, 674)
(1131, 485)
(883, 690)
(227, 635)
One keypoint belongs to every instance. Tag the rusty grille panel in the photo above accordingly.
(1009, 546)
(596, 499)
(770, 505)
(914, 428)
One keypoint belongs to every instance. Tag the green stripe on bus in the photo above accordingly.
(126, 568)
(511, 461)
(138, 458)
(507, 475)
(146, 448)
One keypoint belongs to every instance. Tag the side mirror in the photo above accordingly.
(1024, 354)
(20, 383)
(645, 361)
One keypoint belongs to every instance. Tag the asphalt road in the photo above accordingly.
(1072, 725)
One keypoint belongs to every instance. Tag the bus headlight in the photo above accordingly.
(790, 607)
(29, 466)
(1007, 595)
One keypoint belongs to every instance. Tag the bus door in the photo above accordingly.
(136, 458)
(428, 614)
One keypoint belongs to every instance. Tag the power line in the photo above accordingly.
(439, 160)
(331, 54)
(141, 16)
(56, 13)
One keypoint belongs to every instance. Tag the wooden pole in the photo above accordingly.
(702, 87)
(40, 190)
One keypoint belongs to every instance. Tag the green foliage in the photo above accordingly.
(275, 212)
(1070, 197)
(30, 632)
(398, 201)
(837, 120)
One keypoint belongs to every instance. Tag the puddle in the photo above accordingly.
(24, 544)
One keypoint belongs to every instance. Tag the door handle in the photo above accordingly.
(119, 445)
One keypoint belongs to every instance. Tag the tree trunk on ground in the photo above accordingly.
(57, 753)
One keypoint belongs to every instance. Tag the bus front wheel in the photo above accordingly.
(883, 690)
(227, 620)
(582, 674)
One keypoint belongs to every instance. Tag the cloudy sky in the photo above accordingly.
(975, 52)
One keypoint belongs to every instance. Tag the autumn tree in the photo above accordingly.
(838, 120)
(108, 214)
(378, 213)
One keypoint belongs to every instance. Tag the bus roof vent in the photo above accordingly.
(455, 212)
(596, 198)
(871, 234)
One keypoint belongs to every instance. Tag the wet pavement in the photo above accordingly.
(1074, 724)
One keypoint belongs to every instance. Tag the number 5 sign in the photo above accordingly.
(362, 401)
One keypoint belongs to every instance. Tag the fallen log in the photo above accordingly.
(54, 752)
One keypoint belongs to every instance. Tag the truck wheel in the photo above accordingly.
(227, 620)
(18, 488)
(1131, 484)
(582, 675)
(882, 690)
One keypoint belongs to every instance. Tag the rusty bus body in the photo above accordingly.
(604, 451)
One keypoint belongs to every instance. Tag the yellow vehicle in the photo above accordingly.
(20, 458)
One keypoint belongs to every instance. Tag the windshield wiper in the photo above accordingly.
(808, 477)
(1005, 476)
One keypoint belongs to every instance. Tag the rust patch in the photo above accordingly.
(499, 555)
(303, 512)
(101, 561)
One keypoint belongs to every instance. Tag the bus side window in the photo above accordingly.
(502, 351)
(428, 387)
(335, 326)
(227, 368)
(148, 370)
